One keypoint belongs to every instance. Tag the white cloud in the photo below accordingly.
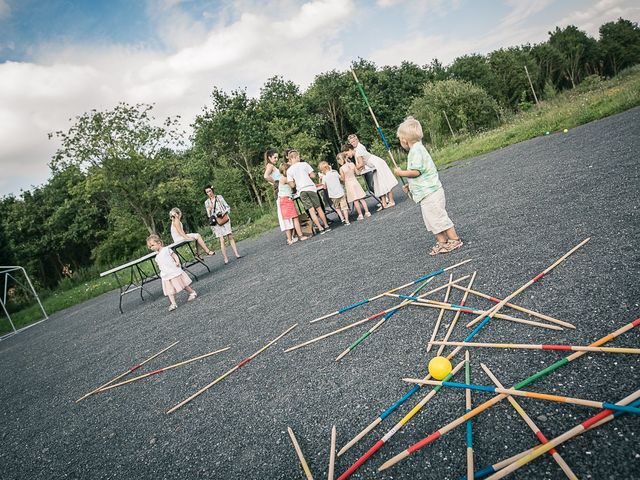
(5, 9)
(602, 12)
(38, 98)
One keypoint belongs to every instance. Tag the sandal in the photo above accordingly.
(302, 239)
(440, 248)
(211, 252)
(454, 243)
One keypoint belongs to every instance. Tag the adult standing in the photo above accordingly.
(383, 179)
(273, 175)
(219, 209)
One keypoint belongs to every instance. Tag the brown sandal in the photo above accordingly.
(440, 248)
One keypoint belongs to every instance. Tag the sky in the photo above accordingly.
(62, 58)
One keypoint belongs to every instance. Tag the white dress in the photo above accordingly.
(383, 179)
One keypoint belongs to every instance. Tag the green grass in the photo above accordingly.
(585, 104)
(569, 109)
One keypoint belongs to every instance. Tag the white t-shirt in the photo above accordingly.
(361, 151)
(332, 180)
(299, 173)
(168, 267)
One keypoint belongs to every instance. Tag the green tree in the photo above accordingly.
(124, 153)
(579, 53)
(477, 70)
(468, 107)
(508, 65)
(620, 45)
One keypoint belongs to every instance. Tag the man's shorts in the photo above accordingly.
(310, 199)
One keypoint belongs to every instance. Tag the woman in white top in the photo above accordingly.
(216, 205)
(178, 234)
(272, 175)
(383, 179)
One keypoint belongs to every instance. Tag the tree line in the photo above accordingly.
(117, 173)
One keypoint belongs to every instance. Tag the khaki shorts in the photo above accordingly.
(433, 212)
(340, 203)
(310, 200)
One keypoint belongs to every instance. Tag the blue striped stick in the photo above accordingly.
(426, 278)
(364, 302)
(467, 395)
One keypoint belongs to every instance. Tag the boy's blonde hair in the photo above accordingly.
(322, 165)
(283, 168)
(155, 238)
(410, 130)
(352, 136)
(175, 212)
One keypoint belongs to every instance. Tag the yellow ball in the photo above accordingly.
(565, 130)
(439, 367)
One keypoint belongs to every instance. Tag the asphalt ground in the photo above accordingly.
(517, 209)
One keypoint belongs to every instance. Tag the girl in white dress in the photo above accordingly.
(383, 179)
(178, 234)
(174, 279)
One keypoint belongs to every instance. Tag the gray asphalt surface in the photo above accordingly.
(517, 209)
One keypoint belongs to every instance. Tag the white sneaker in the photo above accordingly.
(368, 214)
(360, 217)
(192, 296)
(173, 307)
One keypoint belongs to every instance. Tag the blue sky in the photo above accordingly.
(61, 58)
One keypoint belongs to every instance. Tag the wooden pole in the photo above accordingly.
(298, 450)
(531, 85)
(164, 369)
(364, 320)
(480, 408)
(448, 123)
(504, 301)
(132, 369)
(526, 346)
(531, 424)
(457, 315)
(442, 310)
(332, 453)
(515, 307)
(222, 377)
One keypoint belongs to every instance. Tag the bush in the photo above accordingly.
(469, 108)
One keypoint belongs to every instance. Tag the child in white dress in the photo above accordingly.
(174, 279)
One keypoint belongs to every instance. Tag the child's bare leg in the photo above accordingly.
(345, 215)
(390, 197)
(314, 218)
(232, 242)
(172, 299)
(384, 201)
(288, 234)
(364, 205)
(451, 234)
(223, 250)
(296, 225)
(358, 208)
(442, 237)
(340, 216)
(323, 217)
(189, 290)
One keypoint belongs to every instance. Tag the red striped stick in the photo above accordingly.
(364, 320)
(504, 301)
(132, 369)
(501, 316)
(531, 424)
(225, 375)
(164, 369)
(437, 325)
(484, 406)
(458, 313)
(527, 346)
(528, 311)
(595, 421)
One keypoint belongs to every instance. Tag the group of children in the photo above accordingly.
(342, 187)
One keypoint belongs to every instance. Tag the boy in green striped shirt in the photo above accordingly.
(425, 187)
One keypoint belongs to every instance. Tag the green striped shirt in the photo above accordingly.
(428, 181)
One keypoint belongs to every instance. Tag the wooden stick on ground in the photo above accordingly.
(332, 453)
(132, 369)
(298, 450)
(223, 376)
(527, 346)
(164, 369)
(457, 316)
(437, 325)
